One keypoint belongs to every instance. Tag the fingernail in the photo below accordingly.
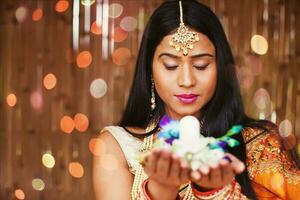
(214, 165)
(227, 158)
(196, 175)
(174, 156)
(184, 165)
(224, 162)
(204, 170)
(242, 166)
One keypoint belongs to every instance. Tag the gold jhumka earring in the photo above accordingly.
(183, 39)
(153, 104)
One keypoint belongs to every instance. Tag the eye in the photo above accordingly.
(170, 67)
(201, 67)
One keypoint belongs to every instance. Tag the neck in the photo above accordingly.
(178, 117)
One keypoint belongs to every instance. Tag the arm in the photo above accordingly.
(111, 177)
(273, 172)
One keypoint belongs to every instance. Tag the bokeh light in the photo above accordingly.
(119, 35)
(262, 98)
(87, 2)
(19, 194)
(21, 14)
(262, 115)
(96, 28)
(259, 44)
(115, 10)
(84, 59)
(11, 100)
(128, 23)
(273, 117)
(277, 181)
(245, 77)
(97, 146)
(49, 81)
(81, 122)
(109, 162)
(76, 170)
(255, 64)
(62, 6)
(36, 100)
(38, 184)
(37, 14)
(142, 17)
(98, 88)
(67, 124)
(285, 128)
(121, 56)
(48, 160)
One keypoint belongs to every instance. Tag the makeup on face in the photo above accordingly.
(199, 61)
(187, 98)
(185, 83)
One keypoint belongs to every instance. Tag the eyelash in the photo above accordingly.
(202, 67)
(170, 67)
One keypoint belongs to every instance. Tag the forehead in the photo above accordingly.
(204, 45)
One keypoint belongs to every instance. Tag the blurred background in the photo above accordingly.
(66, 68)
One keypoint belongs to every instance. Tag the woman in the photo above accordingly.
(185, 67)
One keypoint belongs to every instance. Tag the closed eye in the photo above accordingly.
(201, 67)
(170, 67)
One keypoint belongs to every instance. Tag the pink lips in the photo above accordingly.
(187, 98)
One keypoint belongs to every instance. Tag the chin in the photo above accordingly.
(185, 112)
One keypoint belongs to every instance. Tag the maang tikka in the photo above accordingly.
(183, 39)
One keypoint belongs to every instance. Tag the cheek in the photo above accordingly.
(209, 83)
(164, 82)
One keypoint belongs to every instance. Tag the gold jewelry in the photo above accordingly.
(140, 175)
(183, 39)
(230, 191)
(153, 104)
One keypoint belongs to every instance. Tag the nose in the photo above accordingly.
(186, 76)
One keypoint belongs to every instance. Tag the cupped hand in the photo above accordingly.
(218, 175)
(166, 169)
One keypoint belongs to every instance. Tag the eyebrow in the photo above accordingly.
(193, 56)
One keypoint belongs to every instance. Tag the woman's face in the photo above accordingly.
(185, 83)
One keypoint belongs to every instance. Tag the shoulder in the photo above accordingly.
(110, 169)
(108, 146)
(121, 142)
(259, 129)
(267, 157)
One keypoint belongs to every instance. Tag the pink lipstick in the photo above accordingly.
(187, 98)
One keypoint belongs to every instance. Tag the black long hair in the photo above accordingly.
(224, 109)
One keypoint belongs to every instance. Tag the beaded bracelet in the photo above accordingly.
(208, 194)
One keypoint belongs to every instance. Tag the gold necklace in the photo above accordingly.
(140, 175)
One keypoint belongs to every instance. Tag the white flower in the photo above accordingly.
(196, 153)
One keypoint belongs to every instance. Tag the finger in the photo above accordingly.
(151, 162)
(184, 172)
(204, 181)
(227, 172)
(175, 169)
(237, 165)
(215, 176)
(163, 164)
(196, 176)
(204, 169)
